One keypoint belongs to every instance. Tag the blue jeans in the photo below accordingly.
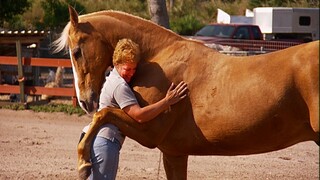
(104, 159)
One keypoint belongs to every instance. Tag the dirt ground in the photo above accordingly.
(43, 146)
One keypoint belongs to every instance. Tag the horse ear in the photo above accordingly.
(73, 16)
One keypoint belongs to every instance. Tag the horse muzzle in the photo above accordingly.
(89, 104)
(88, 107)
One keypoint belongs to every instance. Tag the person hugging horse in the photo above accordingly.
(117, 93)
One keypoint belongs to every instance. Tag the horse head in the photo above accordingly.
(88, 49)
(91, 39)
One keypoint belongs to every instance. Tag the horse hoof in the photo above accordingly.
(84, 171)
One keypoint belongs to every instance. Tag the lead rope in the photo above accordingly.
(159, 165)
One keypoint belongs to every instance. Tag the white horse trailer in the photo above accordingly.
(283, 23)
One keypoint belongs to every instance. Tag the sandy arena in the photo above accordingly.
(43, 146)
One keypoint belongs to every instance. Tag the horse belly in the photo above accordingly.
(257, 129)
(240, 141)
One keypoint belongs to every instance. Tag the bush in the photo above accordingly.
(186, 25)
(68, 109)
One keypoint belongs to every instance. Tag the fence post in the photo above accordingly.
(20, 71)
(74, 97)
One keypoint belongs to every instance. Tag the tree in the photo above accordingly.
(186, 15)
(280, 3)
(268, 3)
(56, 12)
(158, 12)
(171, 4)
(10, 8)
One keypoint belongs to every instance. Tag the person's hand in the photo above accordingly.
(175, 94)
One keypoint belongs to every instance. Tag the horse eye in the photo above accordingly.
(76, 53)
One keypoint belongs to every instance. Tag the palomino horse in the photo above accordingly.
(236, 105)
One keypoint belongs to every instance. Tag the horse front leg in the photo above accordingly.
(84, 146)
(175, 166)
(145, 135)
(148, 134)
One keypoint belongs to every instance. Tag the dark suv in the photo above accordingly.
(231, 31)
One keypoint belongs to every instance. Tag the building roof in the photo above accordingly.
(25, 36)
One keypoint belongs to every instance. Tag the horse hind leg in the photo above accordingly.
(314, 113)
(307, 82)
(175, 166)
(314, 117)
(315, 124)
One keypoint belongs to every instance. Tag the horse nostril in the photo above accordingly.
(84, 105)
(87, 107)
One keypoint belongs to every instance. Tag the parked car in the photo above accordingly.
(245, 37)
(230, 31)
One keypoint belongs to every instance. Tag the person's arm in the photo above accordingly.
(149, 112)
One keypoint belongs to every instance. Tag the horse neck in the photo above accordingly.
(153, 43)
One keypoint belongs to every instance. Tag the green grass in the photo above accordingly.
(68, 109)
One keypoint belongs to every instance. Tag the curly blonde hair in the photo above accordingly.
(126, 51)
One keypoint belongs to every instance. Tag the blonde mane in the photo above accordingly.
(62, 42)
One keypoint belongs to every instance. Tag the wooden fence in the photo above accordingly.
(35, 90)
